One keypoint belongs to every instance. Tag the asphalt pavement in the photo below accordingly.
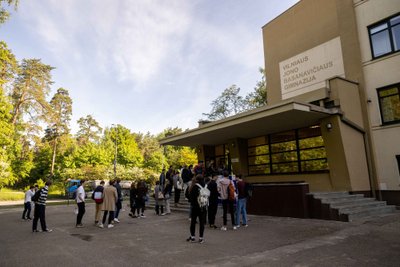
(161, 241)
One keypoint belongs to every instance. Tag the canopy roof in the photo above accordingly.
(253, 123)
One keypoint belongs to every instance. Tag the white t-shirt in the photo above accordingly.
(80, 194)
(28, 195)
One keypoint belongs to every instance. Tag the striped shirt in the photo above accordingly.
(43, 196)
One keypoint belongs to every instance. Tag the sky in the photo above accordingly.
(145, 64)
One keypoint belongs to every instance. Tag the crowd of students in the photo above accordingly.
(231, 191)
(228, 190)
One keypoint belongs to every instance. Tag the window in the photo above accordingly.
(389, 103)
(295, 151)
(385, 36)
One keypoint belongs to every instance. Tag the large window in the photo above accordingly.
(296, 151)
(389, 103)
(385, 36)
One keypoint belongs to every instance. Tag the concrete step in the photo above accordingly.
(337, 203)
(361, 213)
(341, 199)
(360, 205)
(319, 195)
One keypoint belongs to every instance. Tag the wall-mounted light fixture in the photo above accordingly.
(329, 126)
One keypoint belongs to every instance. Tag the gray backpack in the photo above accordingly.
(204, 194)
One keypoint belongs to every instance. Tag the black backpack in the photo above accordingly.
(36, 196)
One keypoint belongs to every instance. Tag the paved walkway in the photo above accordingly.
(160, 241)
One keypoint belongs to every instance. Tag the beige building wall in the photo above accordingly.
(305, 26)
(379, 73)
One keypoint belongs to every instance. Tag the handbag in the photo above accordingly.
(160, 195)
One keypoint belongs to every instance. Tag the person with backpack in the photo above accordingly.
(40, 199)
(97, 196)
(226, 190)
(198, 195)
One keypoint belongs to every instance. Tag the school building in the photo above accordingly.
(333, 114)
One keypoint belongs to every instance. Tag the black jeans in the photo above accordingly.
(118, 206)
(110, 218)
(201, 213)
(39, 213)
(228, 205)
(177, 195)
(212, 212)
(81, 212)
(158, 207)
(27, 210)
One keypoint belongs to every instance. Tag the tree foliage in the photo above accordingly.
(30, 90)
(4, 13)
(89, 130)
(227, 104)
(230, 103)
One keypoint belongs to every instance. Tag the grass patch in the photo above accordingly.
(9, 194)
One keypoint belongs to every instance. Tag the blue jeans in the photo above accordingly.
(241, 208)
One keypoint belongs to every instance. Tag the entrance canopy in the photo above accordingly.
(253, 123)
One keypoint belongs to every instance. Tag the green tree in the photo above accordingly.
(8, 66)
(89, 130)
(30, 89)
(4, 13)
(227, 104)
(177, 156)
(60, 117)
(258, 97)
(6, 141)
(152, 152)
(121, 142)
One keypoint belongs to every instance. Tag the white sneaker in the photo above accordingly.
(116, 220)
(223, 228)
(235, 227)
(100, 225)
(110, 226)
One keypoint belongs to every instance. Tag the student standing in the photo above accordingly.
(97, 196)
(241, 203)
(80, 201)
(119, 200)
(159, 198)
(167, 195)
(227, 204)
(178, 183)
(141, 198)
(197, 211)
(27, 203)
(40, 210)
(213, 201)
(133, 200)
(110, 197)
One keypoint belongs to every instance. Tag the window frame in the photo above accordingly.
(271, 163)
(378, 90)
(391, 38)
